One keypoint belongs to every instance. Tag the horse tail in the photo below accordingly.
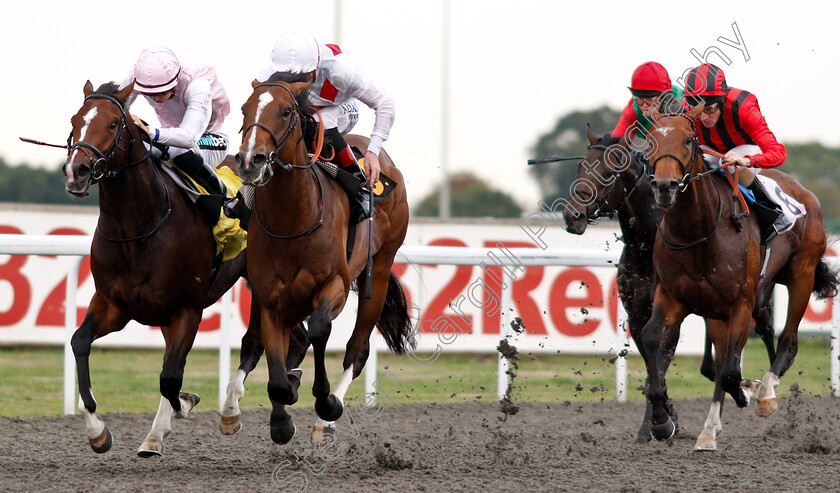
(394, 321)
(825, 280)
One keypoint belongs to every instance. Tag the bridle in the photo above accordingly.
(102, 160)
(685, 182)
(600, 211)
(280, 143)
(273, 160)
(97, 166)
(695, 153)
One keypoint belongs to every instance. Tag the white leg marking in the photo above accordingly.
(235, 391)
(339, 392)
(748, 388)
(162, 424)
(713, 426)
(93, 425)
(768, 386)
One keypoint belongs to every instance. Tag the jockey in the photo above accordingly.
(338, 84)
(191, 105)
(651, 87)
(732, 123)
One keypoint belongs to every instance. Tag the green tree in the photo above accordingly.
(471, 197)
(567, 138)
(25, 184)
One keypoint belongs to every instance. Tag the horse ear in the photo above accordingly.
(88, 89)
(298, 87)
(125, 92)
(590, 135)
(695, 112)
(254, 84)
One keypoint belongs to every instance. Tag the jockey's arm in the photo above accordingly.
(773, 153)
(382, 103)
(199, 102)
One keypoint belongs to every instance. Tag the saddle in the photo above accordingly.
(230, 238)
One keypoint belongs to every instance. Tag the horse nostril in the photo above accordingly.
(259, 160)
(238, 159)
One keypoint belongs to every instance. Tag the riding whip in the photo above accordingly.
(369, 273)
(38, 142)
(552, 160)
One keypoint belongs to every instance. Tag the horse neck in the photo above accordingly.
(639, 215)
(695, 212)
(297, 190)
(136, 192)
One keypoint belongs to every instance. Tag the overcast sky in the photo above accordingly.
(516, 66)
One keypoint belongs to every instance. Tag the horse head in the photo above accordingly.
(99, 128)
(676, 152)
(598, 190)
(272, 119)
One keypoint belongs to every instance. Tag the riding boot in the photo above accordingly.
(353, 180)
(236, 208)
(203, 174)
(771, 219)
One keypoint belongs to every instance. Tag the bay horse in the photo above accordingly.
(704, 265)
(297, 262)
(613, 180)
(152, 255)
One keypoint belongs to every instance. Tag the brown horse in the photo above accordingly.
(705, 266)
(613, 180)
(152, 255)
(297, 262)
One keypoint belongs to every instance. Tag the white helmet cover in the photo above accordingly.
(295, 53)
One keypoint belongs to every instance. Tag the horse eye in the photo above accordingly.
(688, 141)
(113, 125)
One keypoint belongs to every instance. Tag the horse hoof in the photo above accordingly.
(663, 431)
(643, 438)
(283, 434)
(322, 435)
(329, 409)
(152, 447)
(705, 443)
(230, 424)
(103, 442)
(193, 399)
(766, 407)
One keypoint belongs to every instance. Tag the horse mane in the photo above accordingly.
(108, 89)
(608, 139)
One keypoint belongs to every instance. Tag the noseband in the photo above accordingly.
(278, 143)
(695, 153)
(97, 166)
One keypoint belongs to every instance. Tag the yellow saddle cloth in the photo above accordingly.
(231, 239)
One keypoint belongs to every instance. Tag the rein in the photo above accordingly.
(273, 160)
(684, 183)
(695, 152)
(102, 158)
(598, 212)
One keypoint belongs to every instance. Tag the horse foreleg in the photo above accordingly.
(664, 309)
(799, 294)
(282, 384)
(707, 367)
(249, 355)
(179, 337)
(100, 319)
(763, 316)
(732, 340)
